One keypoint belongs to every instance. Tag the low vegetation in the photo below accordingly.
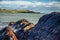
(15, 11)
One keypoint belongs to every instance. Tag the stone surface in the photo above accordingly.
(47, 28)
(8, 34)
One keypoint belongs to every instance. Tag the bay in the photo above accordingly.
(5, 18)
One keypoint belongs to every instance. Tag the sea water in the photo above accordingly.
(5, 18)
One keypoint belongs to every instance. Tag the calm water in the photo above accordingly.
(7, 17)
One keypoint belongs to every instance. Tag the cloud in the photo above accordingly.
(33, 4)
(17, 3)
(56, 0)
(54, 4)
(24, 3)
(44, 6)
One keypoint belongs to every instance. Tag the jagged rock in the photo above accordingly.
(22, 26)
(23, 33)
(11, 23)
(47, 28)
(29, 26)
(7, 34)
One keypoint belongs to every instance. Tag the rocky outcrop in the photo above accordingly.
(7, 34)
(11, 23)
(21, 24)
(47, 28)
(22, 34)
(29, 26)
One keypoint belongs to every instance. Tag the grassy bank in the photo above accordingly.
(15, 11)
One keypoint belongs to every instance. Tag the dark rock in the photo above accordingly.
(24, 27)
(11, 23)
(7, 34)
(47, 28)
(20, 24)
(29, 26)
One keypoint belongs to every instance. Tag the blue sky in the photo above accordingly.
(43, 6)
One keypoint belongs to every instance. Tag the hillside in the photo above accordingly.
(15, 11)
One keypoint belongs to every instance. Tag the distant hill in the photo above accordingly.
(16, 11)
(55, 12)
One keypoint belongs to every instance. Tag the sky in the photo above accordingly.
(43, 6)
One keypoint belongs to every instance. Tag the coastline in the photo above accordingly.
(16, 11)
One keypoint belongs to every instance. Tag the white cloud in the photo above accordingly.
(5, 2)
(36, 4)
(27, 4)
(52, 4)
(24, 3)
(16, 4)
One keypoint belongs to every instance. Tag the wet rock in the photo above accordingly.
(20, 24)
(47, 28)
(7, 34)
(11, 23)
(29, 26)
(24, 27)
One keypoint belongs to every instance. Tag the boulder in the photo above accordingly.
(7, 34)
(23, 28)
(47, 28)
(20, 24)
